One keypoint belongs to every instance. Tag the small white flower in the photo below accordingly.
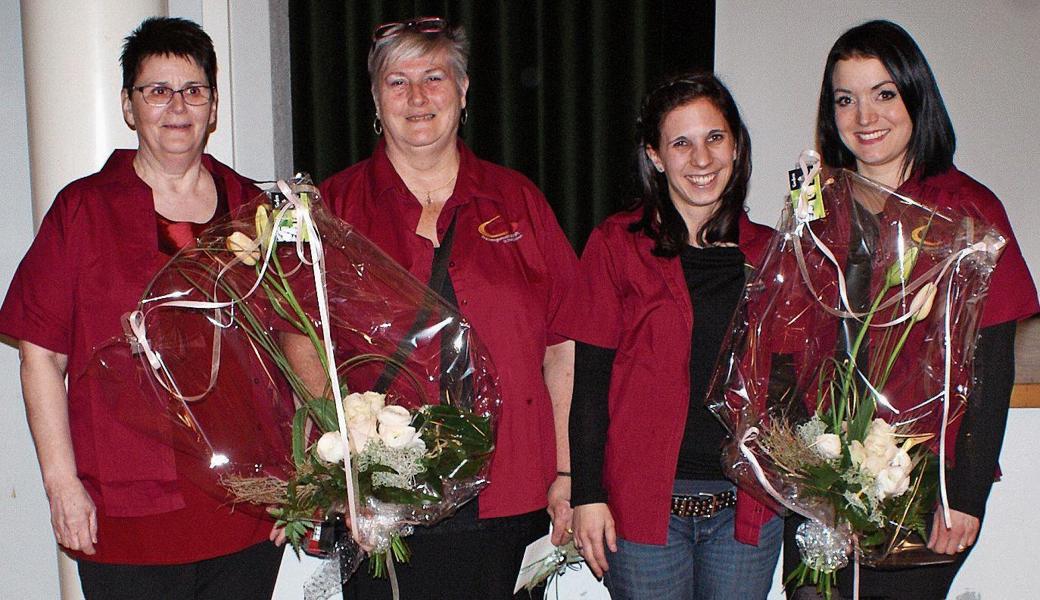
(828, 445)
(394, 416)
(330, 447)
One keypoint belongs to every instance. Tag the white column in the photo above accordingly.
(73, 80)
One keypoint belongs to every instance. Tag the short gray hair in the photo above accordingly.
(409, 43)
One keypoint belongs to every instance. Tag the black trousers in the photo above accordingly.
(461, 558)
(914, 583)
(249, 574)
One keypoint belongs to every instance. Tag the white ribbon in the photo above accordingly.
(314, 258)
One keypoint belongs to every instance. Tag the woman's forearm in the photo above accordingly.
(558, 370)
(47, 410)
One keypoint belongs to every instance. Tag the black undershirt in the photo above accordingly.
(715, 279)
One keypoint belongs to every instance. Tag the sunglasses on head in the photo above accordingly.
(420, 25)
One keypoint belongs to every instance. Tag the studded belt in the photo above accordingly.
(703, 505)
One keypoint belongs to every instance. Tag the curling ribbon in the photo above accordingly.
(305, 220)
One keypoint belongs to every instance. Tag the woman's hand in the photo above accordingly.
(593, 529)
(73, 515)
(277, 535)
(963, 530)
(560, 510)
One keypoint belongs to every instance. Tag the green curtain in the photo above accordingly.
(555, 86)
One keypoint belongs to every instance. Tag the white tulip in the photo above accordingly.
(921, 305)
(243, 247)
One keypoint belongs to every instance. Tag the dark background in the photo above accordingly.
(555, 86)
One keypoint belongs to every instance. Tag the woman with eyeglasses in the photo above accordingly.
(881, 114)
(122, 504)
(431, 204)
(654, 514)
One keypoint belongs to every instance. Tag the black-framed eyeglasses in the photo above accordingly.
(421, 25)
(161, 95)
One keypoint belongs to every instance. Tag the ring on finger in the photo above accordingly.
(570, 531)
(961, 548)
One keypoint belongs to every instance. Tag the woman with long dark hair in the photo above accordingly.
(881, 114)
(654, 513)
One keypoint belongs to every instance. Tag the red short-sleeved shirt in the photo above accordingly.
(510, 265)
(639, 304)
(1012, 293)
(96, 251)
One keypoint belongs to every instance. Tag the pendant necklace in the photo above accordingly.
(429, 200)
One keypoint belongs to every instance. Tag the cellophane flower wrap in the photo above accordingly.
(849, 364)
(250, 340)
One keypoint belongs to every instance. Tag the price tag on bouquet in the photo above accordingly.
(286, 225)
(813, 193)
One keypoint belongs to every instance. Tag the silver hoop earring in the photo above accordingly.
(377, 126)
(465, 116)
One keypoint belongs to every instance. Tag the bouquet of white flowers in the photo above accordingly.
(849, 363)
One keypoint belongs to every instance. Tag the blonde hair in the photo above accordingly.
(409, 44)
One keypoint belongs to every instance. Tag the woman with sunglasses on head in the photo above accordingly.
(123, 505)
(881, 114)
(653, 512)
(508, 266)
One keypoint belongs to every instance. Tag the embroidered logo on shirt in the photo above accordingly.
(499, 232)
(918, 235)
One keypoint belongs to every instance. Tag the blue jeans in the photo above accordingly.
(700, 561)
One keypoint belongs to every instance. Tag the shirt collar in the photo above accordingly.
(472, 182)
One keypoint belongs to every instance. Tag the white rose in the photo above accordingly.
(330, 447)
(879, 447)
(873, 464)
(828, 445)
(397, 437)
(359, 431)
(356, 407)
(891, 482)
(375, 400)
(394, 416)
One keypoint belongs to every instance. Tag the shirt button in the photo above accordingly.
(451, 263)
(465, 302)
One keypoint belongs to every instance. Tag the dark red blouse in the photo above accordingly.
(510, 266)
(95, 253)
